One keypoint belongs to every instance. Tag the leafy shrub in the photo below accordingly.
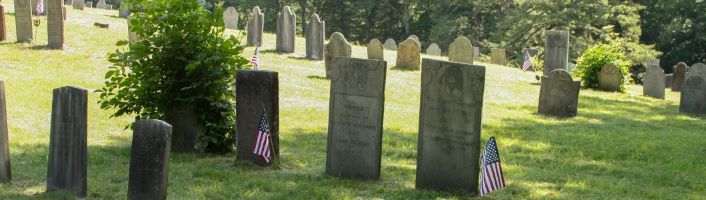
(181, 58)
(593, 60)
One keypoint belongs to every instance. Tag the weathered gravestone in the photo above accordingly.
(3, 31)
(434, 50)
(89, 4)
(355, 118)
(556, 51)
(375, 50)
(498, 57)
(149, 160)
(415, 38)
(230, 18)
(132, 36)
(286, 29)
(609, 78)
(257, 93)
(5, 172)
(450, 126)
(679, 76)
(68, 156)
(55, 24)
(693, 96)
(409, 55)
(559, 94)
(337, 46)
(23, 20)
(78, 4)
(668, 80)
(461, 50)
(698, 69)
(653, 83)
(101, 4)
(476, 53)
(390, 44)
(255, 27)
(125, 10)
(315, 36)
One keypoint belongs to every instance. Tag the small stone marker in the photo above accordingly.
(390, 44)
(434, 50)
(149, 160)
(55, 24)
(653, 83)
(258, 92)
(679, 76)
(337, 46)
(668, 80)
(559, 94)
(450, 126)
(375, 50)
(409, 55)
(461, 50)
(230, 18)
(315, 36)
(3, 30)
(556, 51)
(5, 172)
(286, 29)
(609, 78)
(78, 4)
(498, 57)
(355, 118)
(68, 157)
(476, 53)
(23, 20)
(124, 11)
(693, 96)
(255, 27)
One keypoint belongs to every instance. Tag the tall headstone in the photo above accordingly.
(101, 4)
(375, 50)
(23, 20)
(3, 31)
(337, 46)
(390, 44)
(559, 94)
(5, 172)
(609, 78)
(450, 126)
(55, 24)
(476, 53)
(230, 18)
(679, 76)
(149, 160)
(125, 11)
(286, 30)
(434, 50)
(78, 4)
(498, 57)
(68, 157)
(355, 118)
(315, 36)
(653, 83)
(693, 96)
(258, 92)
(409, 55)
(255, 27)
(461, 50)
(556, 51)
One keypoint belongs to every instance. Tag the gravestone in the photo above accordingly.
(609, 78)
(5, 172)
(653, 83)
(149, 160)
(337, 46)
(409, 55)
(559, 94)
(125, 11)
(698, 69)
(186, 129)
(101, 4)
(498, 57)
(23, 20)
(450, 126)
(230, 18)
(434, 50)
(355, 118)
(476, 53)
(55, 24)
(258, 92)
(390, 44)
(415, 38)
(679, 76)
(315, 36)
(668, 79)
(34, 7)
(556, 51)
(89, 4)
(286, 29)
(255, 27)
(375, 50)
(132, 36)
(461, 50)
(693, 96)
(78, 4)
(68, 158)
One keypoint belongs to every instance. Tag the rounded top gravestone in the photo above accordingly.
(653, 83)
(434, 50)
(390, 44)
(337, 46)
(255, 27)
(315, 37)
(409, 55)
(375, 50)
(461, 50)
(609, 78)
(698, 69)
(693, 96)
(286, 28)
(415, 38)
(679, 76)
(230, 18)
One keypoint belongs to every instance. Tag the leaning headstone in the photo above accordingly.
(5, 172)
(668, 79)
(450, 126)
(476, 53)
(556, 51)
(315, 36)
(78, 4)
(693, 96)
(559, 94)
(375, 50)
(258, 92)
(461, 50)
(653, 83)
(390, 44)
(355, 118)
(698, 69)
(337, 46)
(286, 29)
(124, 11)
(434, 50)
(609, 78)
(3, 32)
(68, 156)
(230, 18)
(149, 160)
(55, 24)
(679, 76)
(409, 55)
(101, 4)
(498, 57)
(23, 20)
(255, 27)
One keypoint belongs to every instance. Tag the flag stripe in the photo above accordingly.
(491, 176)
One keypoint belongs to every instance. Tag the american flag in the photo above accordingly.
(262, 144)
(255, 61)
(491, 175)
(528, 62)
(40, 7)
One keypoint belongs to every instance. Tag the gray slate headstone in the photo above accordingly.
(498, 56)
(255, 27)
(78, 4)
(3, 30)
(375, 50)
(693, 96)
(124, 11)
(668, 80)
(461, 50)
(609, 78)
(390, 44)
(679, 76)
(187, 130)
(653, 83)
(315, 36)
(230, 18)
(433, 50)
(698, 69)
(257, 90)
(55, 24)
(409, 54)
(559, 94)
(286, 29)
(23, 20)
(476, 53)
(5, 171)
(355, 118)
(68, 156)
(337, 46)
(450, 126)
(556, 51)
(149, 160)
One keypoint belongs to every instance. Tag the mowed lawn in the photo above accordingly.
(620, 146)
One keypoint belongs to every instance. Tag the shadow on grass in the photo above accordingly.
(404, 69)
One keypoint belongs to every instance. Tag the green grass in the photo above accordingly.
(620, 146)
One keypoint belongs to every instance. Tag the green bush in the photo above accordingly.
(590, 64)
(181, 58)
